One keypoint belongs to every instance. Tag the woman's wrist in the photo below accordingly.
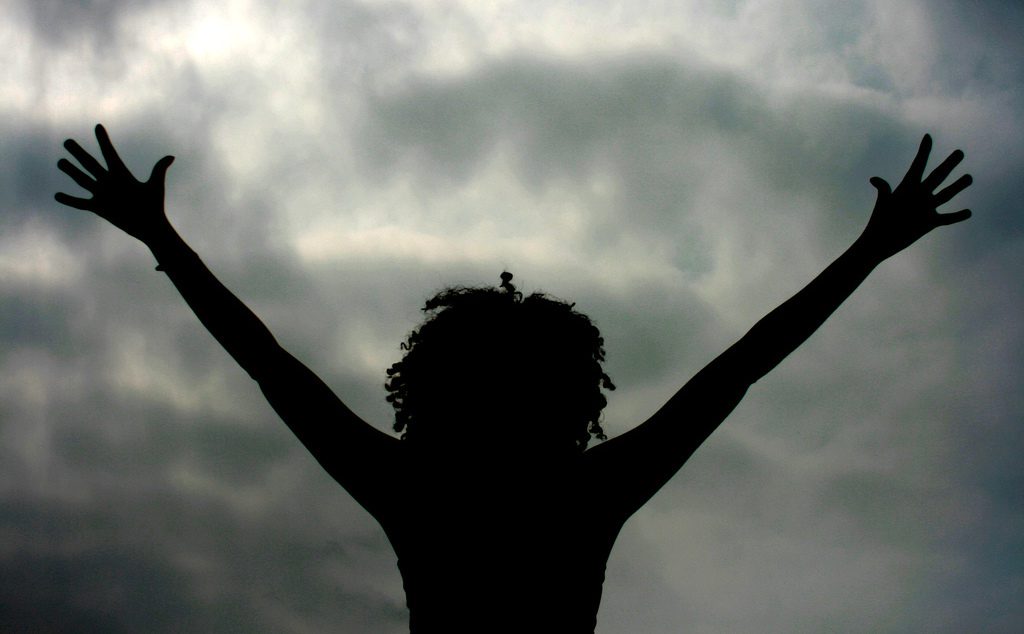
(866, 252)
(167, 246)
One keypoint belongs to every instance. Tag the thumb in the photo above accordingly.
(160, 169)
(881, 185)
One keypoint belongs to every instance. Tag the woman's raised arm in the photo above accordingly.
(643, 459)
(358, 456)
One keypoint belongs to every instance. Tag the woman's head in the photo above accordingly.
(489, 364)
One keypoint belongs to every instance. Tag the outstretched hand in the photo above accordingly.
(135, 207)
(904, 215)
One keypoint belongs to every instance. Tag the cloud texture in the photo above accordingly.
(676, 168)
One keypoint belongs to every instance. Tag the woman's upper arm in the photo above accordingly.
(634, 466)
(363, 459)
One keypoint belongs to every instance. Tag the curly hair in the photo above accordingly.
(484, 348)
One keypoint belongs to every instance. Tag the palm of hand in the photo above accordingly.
(904, 215)
(131, 205)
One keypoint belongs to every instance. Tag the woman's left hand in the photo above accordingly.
(904, 215)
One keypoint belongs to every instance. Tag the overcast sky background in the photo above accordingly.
(677, 168)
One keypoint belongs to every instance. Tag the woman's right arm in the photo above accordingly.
(358, 456)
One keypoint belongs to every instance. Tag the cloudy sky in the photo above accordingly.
(677, 168)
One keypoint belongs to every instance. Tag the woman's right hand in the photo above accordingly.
(135, 207)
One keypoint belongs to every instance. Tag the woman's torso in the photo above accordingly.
(483, 550)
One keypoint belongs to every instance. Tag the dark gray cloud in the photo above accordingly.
(980, 47)
(125, 563)
(61, 22)
(206, 521)
(663, 131)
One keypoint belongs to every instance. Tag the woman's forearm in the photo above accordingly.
(784, 329)
(230, 321)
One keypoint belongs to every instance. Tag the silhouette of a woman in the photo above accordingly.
(494, 531)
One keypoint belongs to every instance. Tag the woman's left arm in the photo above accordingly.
(645, 458)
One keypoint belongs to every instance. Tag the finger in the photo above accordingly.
(76, 174)
(942, 171)
(916, 171)
(83, 157)
(883, 187)
(958, 186)
(109, 153)
(72, 201)
(160, 169)
(953, 218)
